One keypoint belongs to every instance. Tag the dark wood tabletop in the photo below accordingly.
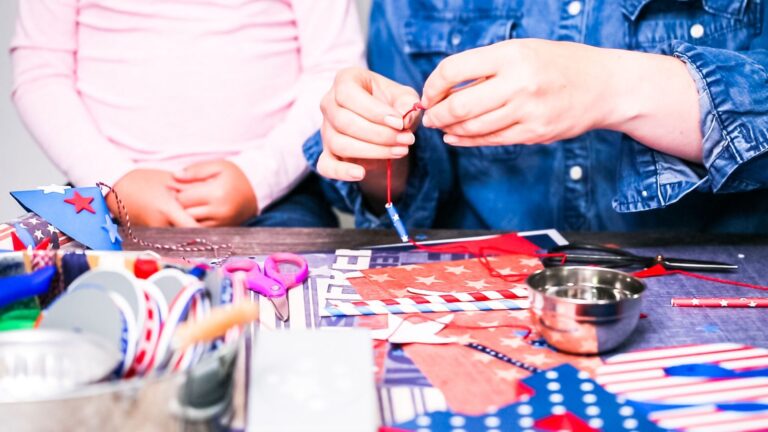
(249, 241)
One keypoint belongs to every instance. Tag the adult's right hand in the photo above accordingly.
(363, 124)
(149, 196)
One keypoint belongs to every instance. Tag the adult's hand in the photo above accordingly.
(363, 127)
(531, 91)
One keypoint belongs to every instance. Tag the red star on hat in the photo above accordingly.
(80, 202)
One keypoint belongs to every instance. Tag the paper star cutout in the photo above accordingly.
(380, 278)
(695, 302)
(410, 267)
(39, 234)
(477, 284)
(111, 229)
(53, 188)
(81, 203)
(457, 270)
(427, 280)
(402, 331)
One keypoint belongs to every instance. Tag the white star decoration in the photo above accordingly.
(33, 220)
(457, 270)
(427, 280)
(380, 278)
(695, 302)
(52, 229)
(53, 188)
(752, 304)
(489, 325)
(482, 358)
(39, 235)
(401, 331)
(530, 262)
(478, 285)
(507, 374)
(512, 342)
(465, 339)
(410, 267)
(724, 303)
(535, 359)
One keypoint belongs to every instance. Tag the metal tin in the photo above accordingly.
(584, 310)
(44, 363)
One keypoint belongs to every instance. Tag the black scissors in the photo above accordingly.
(602, 256)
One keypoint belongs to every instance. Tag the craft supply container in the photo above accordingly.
(584, 310)
(200, 399)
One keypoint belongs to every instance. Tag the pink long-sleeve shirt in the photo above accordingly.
(108, 86)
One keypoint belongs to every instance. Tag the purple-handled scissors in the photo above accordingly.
(273, 282)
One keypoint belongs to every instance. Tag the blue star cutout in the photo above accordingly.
(111, 229)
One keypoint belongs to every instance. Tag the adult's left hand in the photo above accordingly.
(216, 193)
(531, 91)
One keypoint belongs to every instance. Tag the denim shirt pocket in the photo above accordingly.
(432, 35)
(728, 24)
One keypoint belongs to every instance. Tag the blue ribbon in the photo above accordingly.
(14, 288)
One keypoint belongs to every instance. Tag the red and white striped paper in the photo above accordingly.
(640, 376)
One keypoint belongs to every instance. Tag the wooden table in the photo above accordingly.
(261, 241)
(250, 241)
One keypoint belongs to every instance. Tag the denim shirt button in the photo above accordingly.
(697, 31)
(574, 7)
(576, 173)
(456, 39)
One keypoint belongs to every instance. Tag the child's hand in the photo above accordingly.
(363, 120)
(149, 199)
(216, 193)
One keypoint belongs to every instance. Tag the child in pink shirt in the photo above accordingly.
(195, 111)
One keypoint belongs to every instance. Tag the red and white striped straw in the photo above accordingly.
(721, 302)
(455, 297)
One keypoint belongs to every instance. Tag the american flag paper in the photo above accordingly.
(736, 400)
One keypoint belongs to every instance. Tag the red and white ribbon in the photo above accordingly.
(721, 302)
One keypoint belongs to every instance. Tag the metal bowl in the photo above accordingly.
(584, 310)
(44, 363)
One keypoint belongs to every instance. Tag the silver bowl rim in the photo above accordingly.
(542, 290)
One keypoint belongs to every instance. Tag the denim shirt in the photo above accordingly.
(601, 180)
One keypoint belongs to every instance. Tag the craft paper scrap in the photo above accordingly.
(80, 213)
(471, 381)
(721, 386)
(562, 398)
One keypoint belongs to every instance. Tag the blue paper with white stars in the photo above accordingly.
(81, 213)
(560, 398)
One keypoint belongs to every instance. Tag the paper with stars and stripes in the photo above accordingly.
(736, 399)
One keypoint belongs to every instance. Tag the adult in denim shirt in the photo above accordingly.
(663, 127)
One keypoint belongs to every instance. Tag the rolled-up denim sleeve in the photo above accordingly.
(417, 205)
(733, 100)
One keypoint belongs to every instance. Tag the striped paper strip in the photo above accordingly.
(349, 309)
(456, 297)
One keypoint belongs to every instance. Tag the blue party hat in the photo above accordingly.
(81, 213)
